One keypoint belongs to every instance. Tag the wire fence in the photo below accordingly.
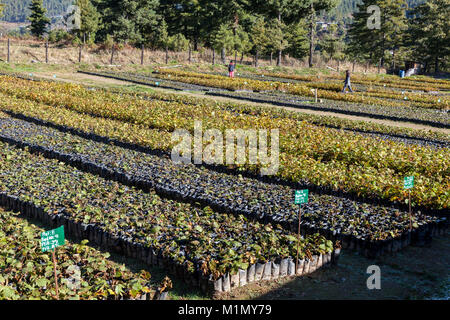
(13, 50)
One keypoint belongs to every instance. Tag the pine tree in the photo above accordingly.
(297, 37)
(374, 42)
(223, 40)
(241, 42)
(38, 19)
(332, 44)
(259, 37)
(277, 38)
(2, 6)
(430, 32)
(90, 19)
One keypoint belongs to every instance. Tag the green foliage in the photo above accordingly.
(297, 36)
(90, 19)
(276, 33)
(259, 35)
(373, 43)
(333, 45)
(2, 7)
(38, 19)
(58, 35)
(163, 38)
(223, 38)
(429, 32)
(18, 10)
(178, 42)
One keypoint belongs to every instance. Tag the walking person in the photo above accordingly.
(347, 82)
(231, 68)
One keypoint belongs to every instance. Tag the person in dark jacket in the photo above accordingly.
(231, 68)
(347, 82)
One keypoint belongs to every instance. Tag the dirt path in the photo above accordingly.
(413, 273)
(86, 79)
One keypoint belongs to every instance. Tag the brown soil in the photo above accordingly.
(413, 273)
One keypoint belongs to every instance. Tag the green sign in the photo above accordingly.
(408, 182)
(301, 196)
(52, 239)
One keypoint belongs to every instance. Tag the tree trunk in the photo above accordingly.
(353, 66)
(393, 60)
(213, 56)
(196, 43)
(256, 59)
(242, 58)
(382, 52)
(271, 57)
(339, 65)
(279, 58)
(235, 56)
(311, 36)
(222, 54)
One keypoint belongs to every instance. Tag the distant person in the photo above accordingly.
(231, 68)
(347, 82)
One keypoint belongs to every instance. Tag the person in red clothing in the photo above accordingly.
(231, 68)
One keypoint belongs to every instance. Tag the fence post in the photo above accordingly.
(189, 59)
(112, 54)
(142, 54)
(8, 49)
(46, 51)
(167, 55)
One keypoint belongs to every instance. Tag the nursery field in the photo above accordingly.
(98, 162)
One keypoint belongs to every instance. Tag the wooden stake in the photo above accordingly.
(112, 54)
(46, 51)
(8, 48)
(410, 215)
(56, 278)
(298, 236)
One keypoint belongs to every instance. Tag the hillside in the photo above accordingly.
(346, 7)
(17, 10)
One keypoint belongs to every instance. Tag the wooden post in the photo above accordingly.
(190, 53)
(213, 56)
(410, 214)
(56, 277)
(315, 94)
(167, 55)
(8, 50)
(79, 54)
(112, 54)
(298, 236)
(142, 54)
(46, 51)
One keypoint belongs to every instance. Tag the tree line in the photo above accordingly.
(267, 28)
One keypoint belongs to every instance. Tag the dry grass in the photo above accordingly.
(31, 50)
